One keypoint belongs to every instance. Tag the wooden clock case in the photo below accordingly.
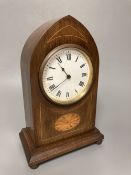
(40, 140)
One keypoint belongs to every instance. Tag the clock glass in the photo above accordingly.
(66, 74)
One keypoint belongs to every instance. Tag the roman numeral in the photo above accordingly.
(76, 91)
(58, 93)
(81, 83)
(50, 78)
(68, 56)
(52, 87)
(67, 94)
(52, 67)
(82, 65)
(84, 74)
(76, 59)
(59, 59)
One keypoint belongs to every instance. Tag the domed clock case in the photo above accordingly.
(55, 129)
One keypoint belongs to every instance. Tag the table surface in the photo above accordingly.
(109, 22)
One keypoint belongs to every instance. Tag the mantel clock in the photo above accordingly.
(59, 66)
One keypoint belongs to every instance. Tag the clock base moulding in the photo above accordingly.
(37, 155)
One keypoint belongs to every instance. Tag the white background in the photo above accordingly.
(109, 21)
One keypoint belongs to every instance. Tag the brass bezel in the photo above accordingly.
(86, 89)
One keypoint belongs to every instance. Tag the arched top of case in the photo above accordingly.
(54, 33)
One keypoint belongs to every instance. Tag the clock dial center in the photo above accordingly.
(68, 76)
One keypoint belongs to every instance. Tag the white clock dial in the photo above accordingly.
(66, 75)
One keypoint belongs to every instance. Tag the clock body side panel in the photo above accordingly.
(25, 65)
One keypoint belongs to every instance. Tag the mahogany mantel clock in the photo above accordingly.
(59, 66)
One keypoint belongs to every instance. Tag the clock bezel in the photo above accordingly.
(86, 89)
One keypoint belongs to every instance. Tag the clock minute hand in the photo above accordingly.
(60, 83)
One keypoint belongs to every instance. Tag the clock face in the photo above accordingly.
(66, 74)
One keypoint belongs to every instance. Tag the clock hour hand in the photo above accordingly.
(68, 76)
